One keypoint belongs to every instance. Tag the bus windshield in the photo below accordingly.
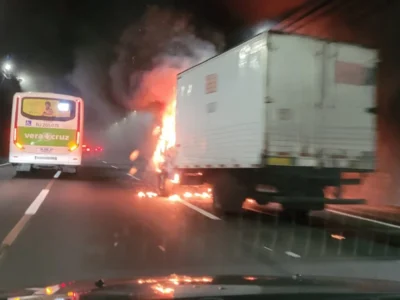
(48, 109)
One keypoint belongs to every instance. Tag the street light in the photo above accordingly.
(7, 69)
(7, 66)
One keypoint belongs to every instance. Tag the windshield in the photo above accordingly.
(201, 139)
(48, 109)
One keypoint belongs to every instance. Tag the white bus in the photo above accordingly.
(46, 132)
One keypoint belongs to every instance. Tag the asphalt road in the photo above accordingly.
(57, 227)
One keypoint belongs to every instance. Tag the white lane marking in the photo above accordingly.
(266, 248)
(292, 254)
(199, 210)
(134, 177)
(6, 164)
(12, 235)
(114, 167)
(104, 162)
(44, 291)
(33, 208)
(364, 219)
(58, 173)
(161, 248)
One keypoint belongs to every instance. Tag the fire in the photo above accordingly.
(176, 179)
(178, 197)
(147, 195)
(166, 136)
(134, 155)
(133, 171)
(203, 195)
(174, 198)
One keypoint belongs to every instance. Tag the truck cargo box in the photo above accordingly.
(279, 99)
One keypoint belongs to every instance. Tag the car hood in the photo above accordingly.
(181, 286)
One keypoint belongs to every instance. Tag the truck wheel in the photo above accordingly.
(300, 211)
(165, 186)
(228, 194)
(20, 174)
(34, 170)
(297, 215)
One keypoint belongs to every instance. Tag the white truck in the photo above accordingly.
(276, 119)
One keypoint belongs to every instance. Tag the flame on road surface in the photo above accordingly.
(204, 195)
(147, 195)
(174, 198)
(133, 171)
(185, 195)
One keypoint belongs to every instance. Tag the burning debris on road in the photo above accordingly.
(184, 195)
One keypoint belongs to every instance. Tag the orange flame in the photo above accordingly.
(166, 136)
(176, 178)
(134, 155)
(174, 198)
(147, 195)
(178, 197)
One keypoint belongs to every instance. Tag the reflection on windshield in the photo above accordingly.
(144, 140)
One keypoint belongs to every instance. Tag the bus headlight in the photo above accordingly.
(73, 147)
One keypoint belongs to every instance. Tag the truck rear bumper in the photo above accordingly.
(311, 200)
(345, 201)
(296, 201)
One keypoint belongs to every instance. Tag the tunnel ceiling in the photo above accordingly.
(357, 21)
(254, 11)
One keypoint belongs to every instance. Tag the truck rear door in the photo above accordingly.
(319, 96)
(346, 133)
(294, 67)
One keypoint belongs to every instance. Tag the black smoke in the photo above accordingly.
(137, 74)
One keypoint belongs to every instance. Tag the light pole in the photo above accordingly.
(7, 69)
